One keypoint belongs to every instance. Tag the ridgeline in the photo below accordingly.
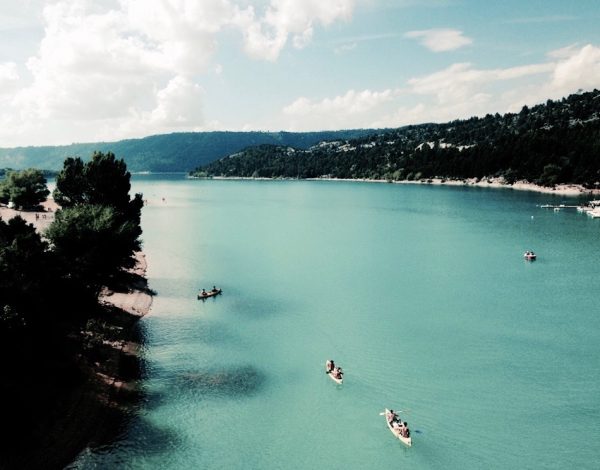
(552, 143)
(168, 152)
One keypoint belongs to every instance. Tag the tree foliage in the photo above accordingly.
(51, 324)
(24, 274)
(179, 151)
(556, 142)
(98, 229)
(94, 242)
(25, 189)
(71, 185)
(103, 180)
(90, 241)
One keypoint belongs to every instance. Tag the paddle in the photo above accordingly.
(401, 411)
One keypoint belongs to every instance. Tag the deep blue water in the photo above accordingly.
(420, 292)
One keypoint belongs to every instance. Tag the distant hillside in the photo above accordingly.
(551, 143)
(169, 152)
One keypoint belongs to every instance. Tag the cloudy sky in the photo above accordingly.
(90, 70)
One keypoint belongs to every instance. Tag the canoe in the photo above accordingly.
(209, 294)
(337, 381)
(405, 440)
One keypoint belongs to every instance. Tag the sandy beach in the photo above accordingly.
(559, 189)
(498, 183)
(40, 219)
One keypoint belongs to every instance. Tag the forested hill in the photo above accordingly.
(168, 152)
(555, 142)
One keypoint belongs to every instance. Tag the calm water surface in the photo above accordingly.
(420, 292)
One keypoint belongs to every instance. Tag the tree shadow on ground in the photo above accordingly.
(60, 400)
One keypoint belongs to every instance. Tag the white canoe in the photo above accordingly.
(338, 381)
(395, 432)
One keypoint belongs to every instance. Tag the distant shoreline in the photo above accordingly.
(569, 190)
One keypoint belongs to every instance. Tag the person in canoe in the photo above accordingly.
(214, 289)
(391, 417)
(203, 293)
(329, 366)
(338, 373)
(404, 431)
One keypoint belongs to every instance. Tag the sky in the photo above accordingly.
(105, 70)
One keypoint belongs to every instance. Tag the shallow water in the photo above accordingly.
(419, 292)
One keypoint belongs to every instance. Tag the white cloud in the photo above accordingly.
(563, 52)
(20, 15)
(109, 69)
(178, 106)
(580, 70)
(8, 74)
(342, 111)
(458, 91)
(104, 69)
(460, 82)
(266, 37)
(462, 90)
(440, 40)
(345, 48)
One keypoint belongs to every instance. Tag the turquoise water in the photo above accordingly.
(419, 292)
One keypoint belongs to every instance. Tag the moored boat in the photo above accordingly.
(401, 432)
(211, 293)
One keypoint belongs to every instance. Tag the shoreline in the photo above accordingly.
(571, 190)
(92, 410)
(499, 183)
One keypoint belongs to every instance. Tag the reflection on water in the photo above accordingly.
(233, 382)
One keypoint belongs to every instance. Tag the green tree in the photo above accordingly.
(25, 189)
(103, 181)
(551, 175)
(71, 184)
(24, 265)
(94, 243)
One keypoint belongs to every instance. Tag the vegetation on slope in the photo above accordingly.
(555, 142)
(168, 152)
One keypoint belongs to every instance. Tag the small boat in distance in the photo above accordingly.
(529, 256)
(204, 294)
(334, 372)
(397, 427)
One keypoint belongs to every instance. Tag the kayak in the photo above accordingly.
(208, 294)
(336, 380)
(396, 432)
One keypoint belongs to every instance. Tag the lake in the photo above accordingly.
(421, 293)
